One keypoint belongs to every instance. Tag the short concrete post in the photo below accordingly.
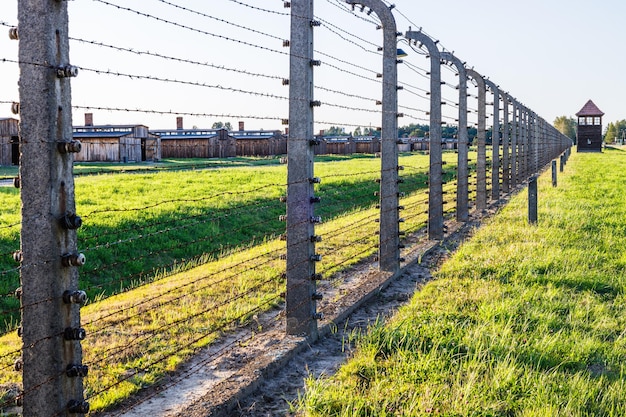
(562, 162)
(532, 200)
(554, 184)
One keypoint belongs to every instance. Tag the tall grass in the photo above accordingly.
(521, 321)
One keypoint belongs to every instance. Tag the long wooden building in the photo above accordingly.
(196, 143)
(260, 142)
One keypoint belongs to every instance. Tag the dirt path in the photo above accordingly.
(274, 395)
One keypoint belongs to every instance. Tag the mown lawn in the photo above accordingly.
(521, 321)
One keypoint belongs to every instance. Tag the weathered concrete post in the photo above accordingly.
(506, 164)
(532, 200)
(532, 143)
(537, 141)
(514, 144)
(462, 188)
(544, 150)
(562, 162)
(301, 257)
(481, 163)
(495, 141)
(523, 144)
(554, 179)
(435, 199)
(50, 298)
(389, 243)
(528, 143)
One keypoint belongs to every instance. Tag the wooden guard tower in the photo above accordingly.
(589, 133)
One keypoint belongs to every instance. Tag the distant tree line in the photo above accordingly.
(409, 131)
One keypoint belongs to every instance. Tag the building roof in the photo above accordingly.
(100, 134)
(255, 134)
(186, 133)
(104, 131)
(590, 109)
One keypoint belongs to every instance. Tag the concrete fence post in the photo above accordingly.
(514, 144)
(462, 187)
(50, 298)
(536, 142)
(529, 143)
(495, 141)
(435, 181)
(301, 257)
(389, 237)
(522, 145)
(481, 163)
(554, 178)
(506, 164)
(539, 155)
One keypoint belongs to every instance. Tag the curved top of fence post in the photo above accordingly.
(382, 11)
(475, 75)
(492, 86)
(506, 98)
(460, 66)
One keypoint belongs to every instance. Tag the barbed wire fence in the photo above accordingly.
(398, 199)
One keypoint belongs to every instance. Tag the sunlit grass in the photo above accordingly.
(138, 227)
(522, 321)
(136, 337)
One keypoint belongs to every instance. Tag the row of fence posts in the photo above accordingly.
(51, 331)
(526, 142)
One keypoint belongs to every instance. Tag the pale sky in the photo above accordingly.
(551, 55)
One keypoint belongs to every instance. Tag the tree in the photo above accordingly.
(370, 131)
(417, 133)
(567, 126)
(615, 132)
(357, 131)
(335, 131)
(220, 125)
(611, 133)
(412, 130)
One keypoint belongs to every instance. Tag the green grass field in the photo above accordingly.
(138, 227)
(521, 321)
(222, 226)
